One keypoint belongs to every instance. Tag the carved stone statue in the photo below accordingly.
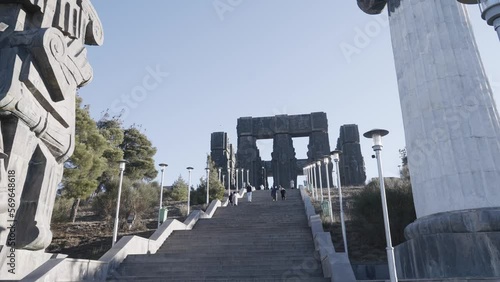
(42, 63)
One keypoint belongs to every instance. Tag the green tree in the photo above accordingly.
(112, 131)
(179, 190)
(139, 152)
(87, 163)
(137, 198)
(216, 189)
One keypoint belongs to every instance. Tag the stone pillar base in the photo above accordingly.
(455, 244)
(16, 264)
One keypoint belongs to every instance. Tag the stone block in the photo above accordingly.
(458, 255)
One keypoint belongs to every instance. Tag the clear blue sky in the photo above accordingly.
(257, 58)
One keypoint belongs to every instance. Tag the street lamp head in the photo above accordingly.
(335, 155)
(163, 166)
(207, 169)
(376, 135)
(326, 160)
(122, 164)
(490, 11)
(189, 168)
(318, 163)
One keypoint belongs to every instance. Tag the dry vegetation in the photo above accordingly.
(90, 236)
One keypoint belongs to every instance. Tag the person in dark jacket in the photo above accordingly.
(283, 193)
(273, 193)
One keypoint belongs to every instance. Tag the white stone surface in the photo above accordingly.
(451, 122)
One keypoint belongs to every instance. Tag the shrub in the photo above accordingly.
(137, 197)
(62, 209)
(367, 210)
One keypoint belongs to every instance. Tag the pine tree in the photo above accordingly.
(216, 189)
(87, 163)
(139, 152)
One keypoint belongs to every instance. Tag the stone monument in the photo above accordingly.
(351, 164)
(42, 63)
(452, 132)
(284, 166)
(222, 154)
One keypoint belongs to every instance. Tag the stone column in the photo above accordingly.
(284, 160)
(453, 141)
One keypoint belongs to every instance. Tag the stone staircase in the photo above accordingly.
(258, 241)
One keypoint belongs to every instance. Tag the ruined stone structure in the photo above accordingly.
(452, 131)
(223, 156)
(43, 62)
(351, 164)
(284, 166)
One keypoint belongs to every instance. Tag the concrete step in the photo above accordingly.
(254, 278)
(195, 272)
(258, 241)
(233, 259)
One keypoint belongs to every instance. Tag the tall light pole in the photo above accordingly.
(220, 176)
(229, 180)
(242, 177)
(248, 176)
(189, 188)
(237, 180)
(304, 169)
(208, 181)
(320, 181)
(115, 228)
(309, 171)
(315, 182)
(160, 211)
(335, 157)
(376, 135)
(330, 211)
(264, 177)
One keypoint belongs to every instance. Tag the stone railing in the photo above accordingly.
(68, 269)
(336, 266)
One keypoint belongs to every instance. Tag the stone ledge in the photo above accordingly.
(462, 221)
(458, 255)
(336, 266)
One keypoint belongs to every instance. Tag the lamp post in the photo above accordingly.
(160, 215)
(320, 181)
(248, 176)
(335, 157)
(309, 172)
(237, 180)
(189, 188)
(315, 182)
(220, 176)
(264, 177)
(242, 177)
(311, 184)
(115, 228)
(376, 135)
(208, 182)
(304, 169)
(326, 161)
